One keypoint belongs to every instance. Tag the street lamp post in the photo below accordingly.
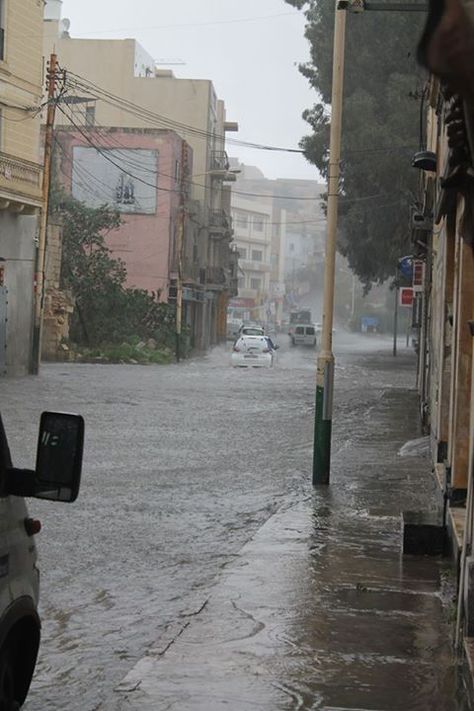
(395, 320)
(325, 364)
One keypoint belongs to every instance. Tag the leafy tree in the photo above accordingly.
(106, 311)
(381, 119)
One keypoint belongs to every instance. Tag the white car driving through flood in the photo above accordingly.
(251, 330)
(252, 352)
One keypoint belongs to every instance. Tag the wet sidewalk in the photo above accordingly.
(320, 610)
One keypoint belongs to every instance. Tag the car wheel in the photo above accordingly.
(7, 682)
(9, 700)
(17, 663)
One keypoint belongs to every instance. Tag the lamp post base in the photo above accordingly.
(323, 420)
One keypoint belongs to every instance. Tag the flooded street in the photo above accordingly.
(294, 176)
(184, 465)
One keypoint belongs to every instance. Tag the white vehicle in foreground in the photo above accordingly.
(252, 352)
(56, 477)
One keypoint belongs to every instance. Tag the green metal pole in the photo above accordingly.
(395, 322)
(325, 364)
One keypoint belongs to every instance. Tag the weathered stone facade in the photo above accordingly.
(58, 303)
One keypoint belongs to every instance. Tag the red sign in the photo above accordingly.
(406, 296)
(418, 274)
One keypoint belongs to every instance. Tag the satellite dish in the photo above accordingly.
(65, 24)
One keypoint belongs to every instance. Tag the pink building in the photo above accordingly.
(137, 172)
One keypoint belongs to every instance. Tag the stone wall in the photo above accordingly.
(58, 303)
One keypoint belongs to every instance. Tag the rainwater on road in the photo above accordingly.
(183, 465)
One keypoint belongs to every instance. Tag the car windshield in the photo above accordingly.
(253, 344)
(310, 331)
(249, 331)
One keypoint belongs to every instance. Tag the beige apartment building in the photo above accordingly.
(297, 228)
(252, 223)
(134, 86)
(21, 80)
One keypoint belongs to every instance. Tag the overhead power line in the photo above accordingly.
(120, 165)
(184, 25)
(103, 153)
(270, 196)
(85, 175)
(133, 164)
(127, 165)
(153, 118)
(144, 113)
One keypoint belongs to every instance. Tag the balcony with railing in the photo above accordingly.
(250, 265)
(191, 272)
(233, 261)
(219, 166)
(215, 276)
(219, 160)
(234, 287)
(20, 183)
(245, 293)
(211, 277)
(220, 224)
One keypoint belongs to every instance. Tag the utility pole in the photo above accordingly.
(395, 321)
(353, 296)
(325, 363)
(43, 226)
(180, 238)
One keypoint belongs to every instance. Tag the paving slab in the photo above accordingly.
(296, 624)
(320, 610)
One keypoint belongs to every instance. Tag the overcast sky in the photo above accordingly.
(248, 48)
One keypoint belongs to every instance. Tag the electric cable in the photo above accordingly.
(134, 108)
(177, 26)
(268, 196)
(108, 158)
(84, 177)
(100, 150)
(124, 104)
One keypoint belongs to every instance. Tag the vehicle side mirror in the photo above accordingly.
(57, 476)
(59, 456)
(276, 346)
